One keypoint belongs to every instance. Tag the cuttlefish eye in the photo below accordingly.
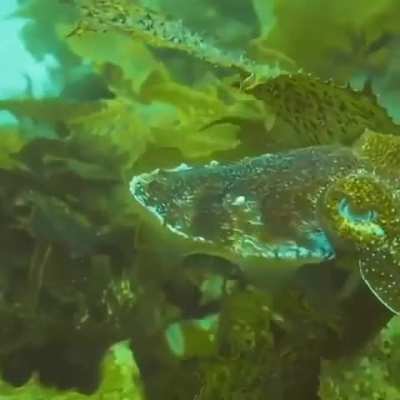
(358, 208)
(346, 210)
(360, 221)
(363, 212)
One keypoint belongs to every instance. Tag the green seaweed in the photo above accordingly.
(371, 375)
(120, 379)
(82, 270)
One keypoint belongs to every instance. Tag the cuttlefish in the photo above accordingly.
(279, 211)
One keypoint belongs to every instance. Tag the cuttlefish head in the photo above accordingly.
(362, 209)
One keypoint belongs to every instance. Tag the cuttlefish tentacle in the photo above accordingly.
(362, 209)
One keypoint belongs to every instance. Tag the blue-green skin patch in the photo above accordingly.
(365, 220)
(347, 213)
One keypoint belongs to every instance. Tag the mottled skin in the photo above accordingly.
(311, 112)
(258, 209)
(372, 221)
(280, 211)
(382, 152)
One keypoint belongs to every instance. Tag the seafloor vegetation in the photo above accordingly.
(97, 304)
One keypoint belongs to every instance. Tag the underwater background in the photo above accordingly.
(199, 200)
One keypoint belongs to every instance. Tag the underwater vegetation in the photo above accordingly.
(210, 208)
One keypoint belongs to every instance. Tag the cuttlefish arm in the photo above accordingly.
(364, 210)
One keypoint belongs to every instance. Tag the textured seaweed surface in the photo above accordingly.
(85, 268)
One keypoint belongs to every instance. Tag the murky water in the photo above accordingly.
(199, 200)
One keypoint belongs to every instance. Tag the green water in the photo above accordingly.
(199, 200)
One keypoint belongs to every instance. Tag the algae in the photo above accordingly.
(83, 270)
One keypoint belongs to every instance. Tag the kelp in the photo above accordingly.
(120, 379)
(336, 40)
(155, 29)
(371, 375)
(271, 347)
(82, 271)
(11, 143)
(310, 111)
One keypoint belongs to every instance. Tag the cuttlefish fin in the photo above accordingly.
(383, 278)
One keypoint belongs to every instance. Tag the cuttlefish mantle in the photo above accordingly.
(261, 210)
